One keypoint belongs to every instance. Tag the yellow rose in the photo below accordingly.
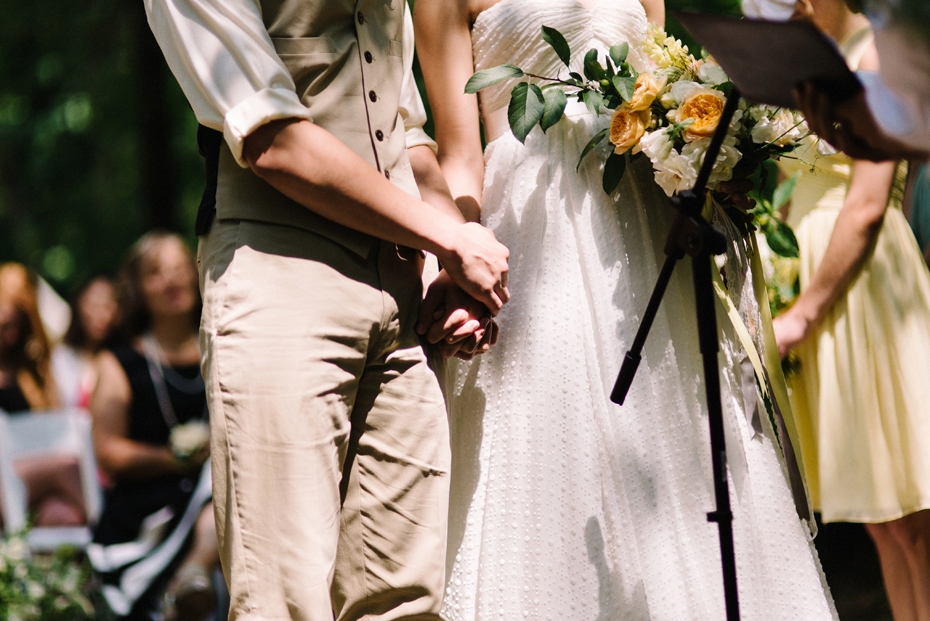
(644, 92)
(704, 106)
(626, 128)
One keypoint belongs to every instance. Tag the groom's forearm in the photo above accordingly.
(311, 166)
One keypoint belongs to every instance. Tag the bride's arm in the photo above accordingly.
(443, 33)
(655, 11)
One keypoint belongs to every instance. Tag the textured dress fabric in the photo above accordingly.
(862, 392)
(565, 506)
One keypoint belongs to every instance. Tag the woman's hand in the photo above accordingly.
(791, 329)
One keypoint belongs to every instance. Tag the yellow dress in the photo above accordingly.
(862, 397)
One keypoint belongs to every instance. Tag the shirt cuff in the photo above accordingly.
(417, 137)
(268, 104)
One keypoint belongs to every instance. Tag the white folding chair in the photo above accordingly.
(60, 432)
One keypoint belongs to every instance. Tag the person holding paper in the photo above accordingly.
(890, 118)
(861, 329)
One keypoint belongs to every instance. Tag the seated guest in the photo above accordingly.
(53, 482)
(149, 419)
(74, 362)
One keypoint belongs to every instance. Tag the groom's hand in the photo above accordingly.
(456, 323)
(477, 263)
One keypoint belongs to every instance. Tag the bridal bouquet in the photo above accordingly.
(668, 114)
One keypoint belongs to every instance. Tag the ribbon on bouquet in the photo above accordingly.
(745, 300)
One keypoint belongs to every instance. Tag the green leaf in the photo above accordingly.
(614, 168)
(525, 110)
(598, 137)
(618, 53)
(486, 77)
(784, 190)
(781, 239)
(555, 106)
(624, 86)
(594, 100)
(590, 61)
(576, 77)
(554, 38)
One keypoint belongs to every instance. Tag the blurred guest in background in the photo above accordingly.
(25, 377)
(149, 415)
(94, 314)
(53, 483)
(861, 329)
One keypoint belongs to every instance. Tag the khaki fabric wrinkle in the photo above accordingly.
(311, 351)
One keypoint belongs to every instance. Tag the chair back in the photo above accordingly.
(31, 434)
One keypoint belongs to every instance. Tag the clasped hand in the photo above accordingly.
(455, 322)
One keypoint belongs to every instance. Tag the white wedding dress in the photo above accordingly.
(566, 507)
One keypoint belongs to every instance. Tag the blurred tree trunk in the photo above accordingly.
(159, 181)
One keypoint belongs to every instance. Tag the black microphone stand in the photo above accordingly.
(691, 234)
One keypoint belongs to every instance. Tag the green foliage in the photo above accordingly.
(526, 109)
(52, 587)
(778, 235)
(596, 140)
(614, 168)
(554, 38)
(97, 142)
(555, 107)
(488, 77)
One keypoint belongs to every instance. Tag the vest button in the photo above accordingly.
(387, 174)
(368, 57)
(379, 135)
(372, 96)
(361, 17)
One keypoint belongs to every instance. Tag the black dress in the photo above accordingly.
(12, 399)
(152, 518)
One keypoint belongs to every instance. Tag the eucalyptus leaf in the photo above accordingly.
(486, 77)
(618, 53)
(598, 137)
(526, 109)
(594, 100)
(614, 168)
(554, 38)
(781, 239)
(784, 190)
(555, 107)
(624, 86)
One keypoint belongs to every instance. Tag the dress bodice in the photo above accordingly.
(510, 32)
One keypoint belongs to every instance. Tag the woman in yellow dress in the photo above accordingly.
(861, 328)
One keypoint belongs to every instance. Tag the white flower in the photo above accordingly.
(728, 157)
(35, 590)
(657, 145)
(711, 73)
(675, 173)
(20, 571)
(682, 89)
(780, 127)
(668, 100)
(16, 549)
(190, 438)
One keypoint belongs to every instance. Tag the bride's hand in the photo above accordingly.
(454, 321)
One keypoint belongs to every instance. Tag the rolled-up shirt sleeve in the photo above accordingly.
(411, 104)
(223, 58)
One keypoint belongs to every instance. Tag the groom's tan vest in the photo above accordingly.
(346, 59)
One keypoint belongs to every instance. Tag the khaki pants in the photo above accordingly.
(330, 437)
